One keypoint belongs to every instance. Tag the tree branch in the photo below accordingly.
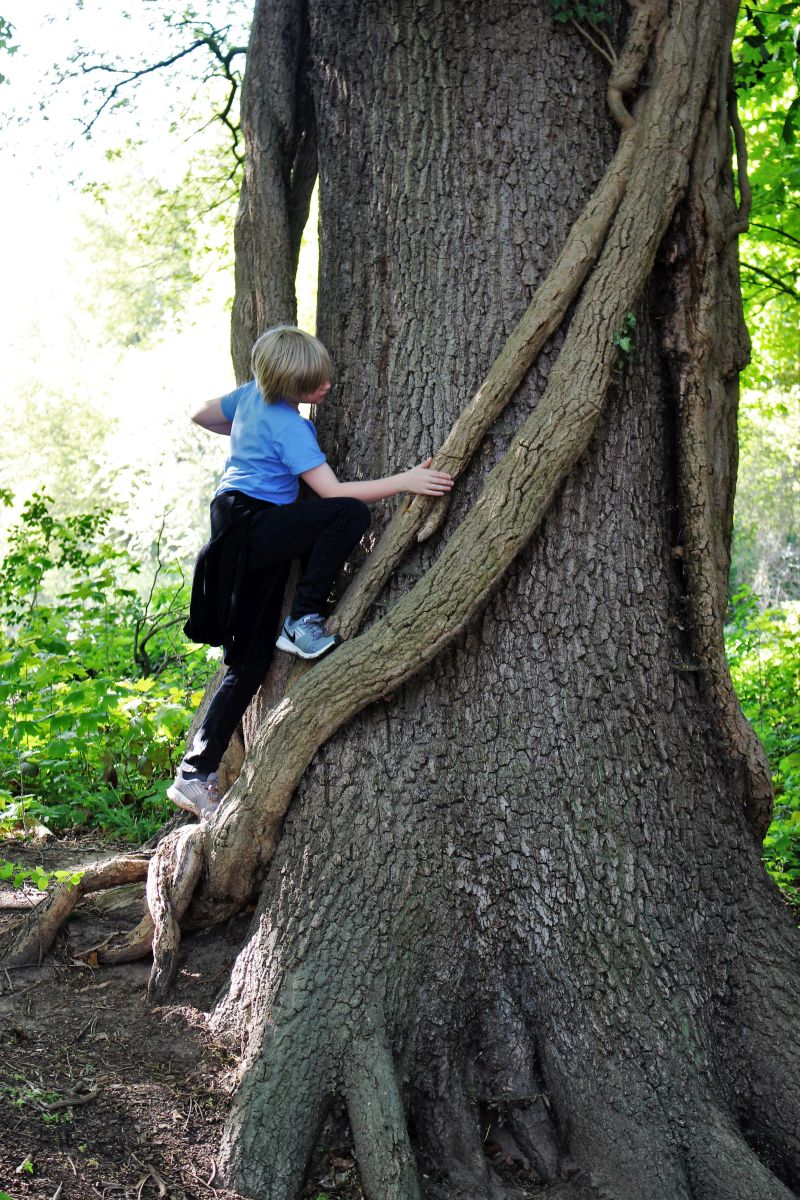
(782, 234)
(742, 222)
(778, 284)
(208, 42)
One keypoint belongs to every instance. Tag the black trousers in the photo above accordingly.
(320, 532)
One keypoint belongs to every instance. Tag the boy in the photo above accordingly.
(258, 527)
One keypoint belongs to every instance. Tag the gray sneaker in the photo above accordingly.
(197, 794)
(306, 637)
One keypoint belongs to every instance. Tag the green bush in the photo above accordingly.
(98, 681)
(764, 654)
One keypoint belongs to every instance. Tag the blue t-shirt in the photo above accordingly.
(271, 444)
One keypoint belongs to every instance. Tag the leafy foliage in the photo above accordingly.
(18, 875)
(623, 339)
(592, 11)
(152, 244)
(767, 75)
(88, 735)
(764, 654)
(767, 57)
(766, 534)
(6, 34)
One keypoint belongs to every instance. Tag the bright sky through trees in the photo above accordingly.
(58, 323)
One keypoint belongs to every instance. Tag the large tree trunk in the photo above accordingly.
(523, 890)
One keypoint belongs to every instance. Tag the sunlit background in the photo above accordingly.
(117, 264)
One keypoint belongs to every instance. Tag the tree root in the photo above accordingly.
(517, 1091)
(171, 881)
(43, 922)
(124, 947)
(380, 1137)
(723, 1167)
(450, 1134)
(283, 1099)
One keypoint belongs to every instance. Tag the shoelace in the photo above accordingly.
(315, 629)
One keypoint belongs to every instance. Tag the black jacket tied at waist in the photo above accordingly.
(227, 601)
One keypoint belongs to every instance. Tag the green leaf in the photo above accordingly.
(787, 132)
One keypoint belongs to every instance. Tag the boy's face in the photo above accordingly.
(319, 395)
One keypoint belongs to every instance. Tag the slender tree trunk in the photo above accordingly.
(522, 890)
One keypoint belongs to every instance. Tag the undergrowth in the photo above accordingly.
(764, 653)
(98, 682)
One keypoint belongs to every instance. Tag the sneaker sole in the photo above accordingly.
(283, 643)
(189, 806)
(178, 799)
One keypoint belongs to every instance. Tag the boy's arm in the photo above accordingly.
(211, 417)
(420, 481)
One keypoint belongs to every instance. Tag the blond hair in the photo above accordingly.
(290, 363)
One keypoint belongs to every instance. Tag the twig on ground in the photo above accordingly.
(20, 991)
(153, 1174)
(75, 1098)
(163, 1190)
(89, 1026)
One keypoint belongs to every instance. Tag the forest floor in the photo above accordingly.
(102, 1095)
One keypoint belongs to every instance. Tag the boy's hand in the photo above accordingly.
(422, 481)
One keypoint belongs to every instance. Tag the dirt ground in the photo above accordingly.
(103, 1096)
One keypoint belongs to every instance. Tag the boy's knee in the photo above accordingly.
(357, 511)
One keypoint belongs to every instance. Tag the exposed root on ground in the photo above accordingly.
(43, 922)
(171, 880)
(380, 1137)
(651, 1124)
